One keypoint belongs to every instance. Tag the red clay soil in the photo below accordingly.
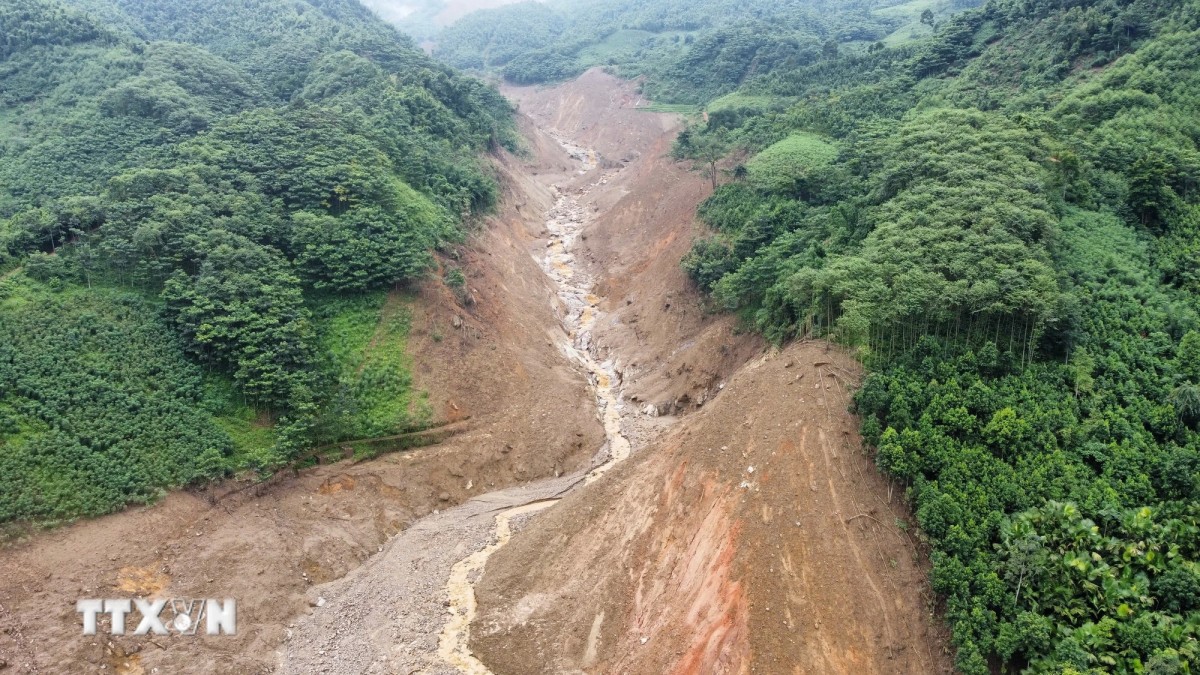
(756, 537)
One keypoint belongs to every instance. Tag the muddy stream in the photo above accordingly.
(565, 223)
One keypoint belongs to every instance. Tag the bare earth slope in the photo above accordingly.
(757, 537)
(671, 352)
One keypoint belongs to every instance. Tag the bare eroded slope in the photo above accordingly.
(756, 537)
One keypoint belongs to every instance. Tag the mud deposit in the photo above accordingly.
(564, 223)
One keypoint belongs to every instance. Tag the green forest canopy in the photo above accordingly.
(203, 206)
(1003, 220)
(690, 52)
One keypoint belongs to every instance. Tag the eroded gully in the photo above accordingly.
(565, 223)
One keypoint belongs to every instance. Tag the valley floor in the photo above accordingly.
(747, 531)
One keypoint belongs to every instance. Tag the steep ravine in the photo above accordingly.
(564, 224)
(344, 567)
(753, 535)
(411, 608)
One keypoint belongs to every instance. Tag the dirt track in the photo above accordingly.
(680, 560)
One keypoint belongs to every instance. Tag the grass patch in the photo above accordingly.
(913, 30)
(780, 166)
(364, 341)
(913, 8)
(676, 108)
(739, 101)
(618, 46)
(252, 432)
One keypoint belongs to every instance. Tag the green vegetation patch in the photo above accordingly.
(364, 338)
(230, 183)
(674, 108)
(688, 52)
(493, 37)
(619, 46)
(99, 407)
(745, 102)
(790, 161)
(253, 432)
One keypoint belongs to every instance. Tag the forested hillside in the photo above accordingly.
(690, 52)
(203, 205)
(1004, 221)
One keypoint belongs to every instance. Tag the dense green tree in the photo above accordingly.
(243, 310)
(688, 52)
(82, 427)
(494, 37)
(251, 173)
(1008, 238)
